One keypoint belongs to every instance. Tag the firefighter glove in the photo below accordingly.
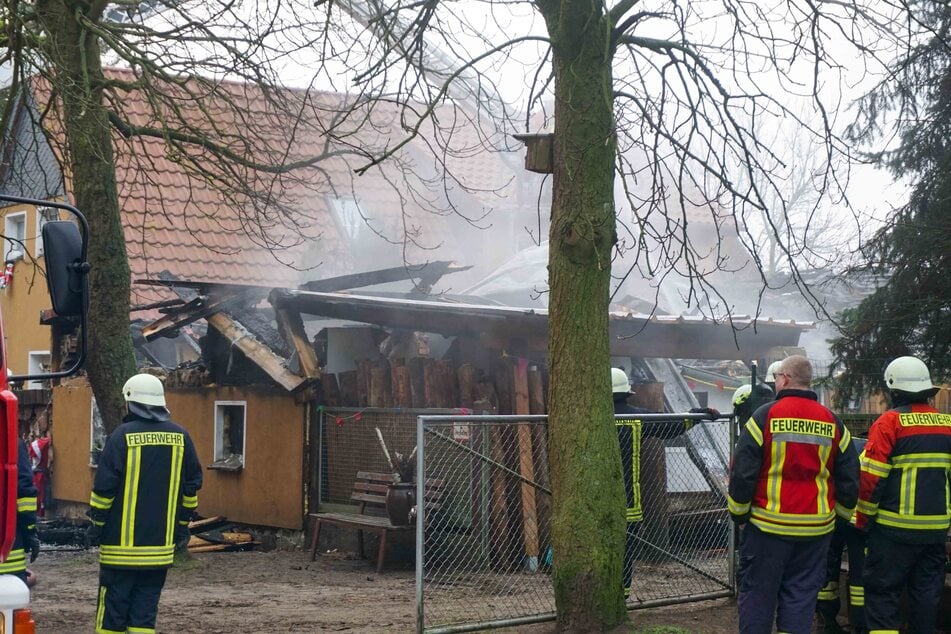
(31, 543)
(93, 534)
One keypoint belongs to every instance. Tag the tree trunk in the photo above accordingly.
(588, 495)
(77, 79)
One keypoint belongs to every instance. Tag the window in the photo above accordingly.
(14, 228)
(39, 361)
(349, 217)
(230, 425)
(97, 434)
(43, 215)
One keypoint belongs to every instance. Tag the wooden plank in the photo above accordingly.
(468, 376)
(402, 387)
(255, 351)
(363, 382)
(331, 390)
(536, 405)
(526, 467)
(417, 380)
(207, 523)
(348, 388)
(291, 327)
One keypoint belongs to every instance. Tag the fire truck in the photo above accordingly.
(64, 250)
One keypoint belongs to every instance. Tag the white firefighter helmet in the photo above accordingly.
(771, 372)
(741, 395)
(145, 389)
(908, 374)
(619, 381)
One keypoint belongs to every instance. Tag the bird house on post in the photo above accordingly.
(540, 151)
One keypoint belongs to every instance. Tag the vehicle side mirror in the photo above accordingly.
(66, 268)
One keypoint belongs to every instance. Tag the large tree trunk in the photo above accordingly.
(588, 513)
(77, 79)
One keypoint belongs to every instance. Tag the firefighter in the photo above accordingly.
(744, 400)
(770, 378)
(144, 494)
(794, 470)
(629, 434)
(845, 537)
(903, 502)
(25, 540)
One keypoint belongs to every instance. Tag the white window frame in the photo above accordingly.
(219, 429)
(43, 215)
(14, 251)
(30, 369)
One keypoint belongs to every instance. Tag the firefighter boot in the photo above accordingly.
(828, 625)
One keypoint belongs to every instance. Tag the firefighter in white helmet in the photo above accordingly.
(770, 377)
(903, 502)
(144, 494)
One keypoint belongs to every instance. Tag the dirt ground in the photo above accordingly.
(281, 591)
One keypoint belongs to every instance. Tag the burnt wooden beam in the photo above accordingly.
(427, 275)
(198, 308)
(291, 327)
(256, 352)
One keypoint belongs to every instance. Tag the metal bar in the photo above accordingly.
(489, 625)
(687, 598)
(684, 562)
(420, 520)
(488, 460)
(731, 544)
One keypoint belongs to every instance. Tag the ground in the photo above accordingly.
(282, 591)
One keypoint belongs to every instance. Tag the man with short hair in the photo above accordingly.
(145, 492)
(903, 502)
(794, 470)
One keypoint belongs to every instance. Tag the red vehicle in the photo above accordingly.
(64, 245)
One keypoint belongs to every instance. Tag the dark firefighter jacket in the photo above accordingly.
(905, 475)
(794, 468)
(26, 512)
(146, 484)
(629, 433)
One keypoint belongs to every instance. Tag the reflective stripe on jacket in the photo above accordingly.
(26, 512)
(905, 474)
(794, 468)
(146, 483)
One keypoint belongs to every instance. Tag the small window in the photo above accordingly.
(97, 434)
(43, 215)
(39, 362)
(349, 217)
(230, 425)
(14, 228)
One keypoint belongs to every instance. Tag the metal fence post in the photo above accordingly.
(420, 519)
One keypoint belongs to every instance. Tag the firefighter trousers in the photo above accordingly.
(630, 554)
(128, 600)
(846, 537)
(891, 566)
(779, 578)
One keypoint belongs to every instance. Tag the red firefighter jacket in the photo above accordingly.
(905, 475)
(794, 468)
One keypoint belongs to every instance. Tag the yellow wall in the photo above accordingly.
(23, 300)
(267, 492)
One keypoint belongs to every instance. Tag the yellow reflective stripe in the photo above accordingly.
(631, 515)
(15, 562)
(913, 522)
(175, 480)
(793, 518)
(857, 596)
(844, 512)
(132, 562)
(822, 479)
(25, 504)
(923, 460)
(866, 507)
(755, 431)
(737, 508)
(774, 478)
(880, 469)
(190, 501)
(906, 495)
(148, 550)
(883, 632)
(846, 439)
(140, 630)
(131, 495)
(101, 612)
(829, 591)
(100, 502)
(792, 531)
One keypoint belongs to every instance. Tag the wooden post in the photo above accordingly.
(536, 405)
(363, 382)
(417, 380)
(328, 383)
(526, 467)
(468, 375)
(379, 387)
(348, 389)
(430, 383)
(402, 387)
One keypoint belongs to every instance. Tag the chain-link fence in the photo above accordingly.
(483, 547)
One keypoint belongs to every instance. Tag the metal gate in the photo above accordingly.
(483, 547)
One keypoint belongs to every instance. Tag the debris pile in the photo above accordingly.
(217, 534)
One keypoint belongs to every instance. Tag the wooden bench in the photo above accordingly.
(369, 492)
